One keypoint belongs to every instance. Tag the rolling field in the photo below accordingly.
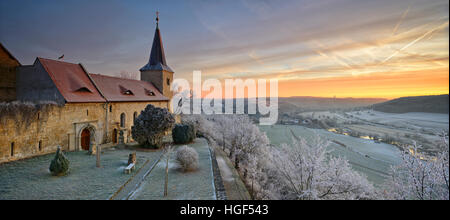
(367, 157)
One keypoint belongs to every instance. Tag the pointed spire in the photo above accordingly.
(157, 59)
(157, 19)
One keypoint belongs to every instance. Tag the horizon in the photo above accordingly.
(364, 49)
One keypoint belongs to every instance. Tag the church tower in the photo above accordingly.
(157, 71)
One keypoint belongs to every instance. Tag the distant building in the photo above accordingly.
(73, 108)
(8, 68)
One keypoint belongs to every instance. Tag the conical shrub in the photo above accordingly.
(60, 164)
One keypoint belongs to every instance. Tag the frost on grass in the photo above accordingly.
(187, 158)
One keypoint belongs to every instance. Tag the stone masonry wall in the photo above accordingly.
(62, 125)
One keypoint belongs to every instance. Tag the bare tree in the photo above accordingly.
(306, 171)
(298, 171)
(128, 75)
(420, 177)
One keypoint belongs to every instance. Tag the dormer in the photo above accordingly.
(125, 91)
(83, 89)
(149, 92)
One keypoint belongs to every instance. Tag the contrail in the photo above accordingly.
(401, 20)
(416, 40)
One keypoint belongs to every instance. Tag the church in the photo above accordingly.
(53, 103)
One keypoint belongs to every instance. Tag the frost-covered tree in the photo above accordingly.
(297, 171)
(187, 158)
(306, 171)
(150, 126)
(420, 177)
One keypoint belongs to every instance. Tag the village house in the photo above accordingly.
(53, 103)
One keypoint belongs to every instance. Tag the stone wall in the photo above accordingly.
(62, 125)
(128, 108)
(161, 79)
(34, 84)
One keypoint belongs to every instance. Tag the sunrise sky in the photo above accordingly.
(342, 48)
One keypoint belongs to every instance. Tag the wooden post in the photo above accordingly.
(99, 149)
(167, 171)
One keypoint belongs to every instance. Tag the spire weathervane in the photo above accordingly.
(157, 19)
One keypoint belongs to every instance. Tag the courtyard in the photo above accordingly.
(31, 179)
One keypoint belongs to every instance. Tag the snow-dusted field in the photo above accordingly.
(411, 120)
(30, 178)
(366, 156)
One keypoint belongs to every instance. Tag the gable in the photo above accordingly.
(72, 81)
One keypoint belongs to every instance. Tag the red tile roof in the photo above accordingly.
(72, 81)
(75, 85)
(116, 89)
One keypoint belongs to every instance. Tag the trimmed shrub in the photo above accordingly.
(187, 158)
(60, 164)
(150, 126)
(183, 133)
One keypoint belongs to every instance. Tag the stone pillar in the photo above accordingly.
(99, 151)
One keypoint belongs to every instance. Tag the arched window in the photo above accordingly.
(134, 117)
(122, 120)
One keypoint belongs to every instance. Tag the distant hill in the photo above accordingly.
(430, 104)
(307, 103)
(299, 104)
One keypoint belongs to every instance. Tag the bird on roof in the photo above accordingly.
(59, 58)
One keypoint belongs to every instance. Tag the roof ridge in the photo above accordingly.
(116, 77)
(10, 54)
(42, 58)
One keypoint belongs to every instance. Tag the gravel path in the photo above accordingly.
(130, 187)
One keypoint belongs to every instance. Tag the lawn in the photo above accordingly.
(31, 179)
(196, 185)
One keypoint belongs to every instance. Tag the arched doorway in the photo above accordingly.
(85, 139)
(114, 136)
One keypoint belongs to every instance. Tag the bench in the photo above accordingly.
(129, 168)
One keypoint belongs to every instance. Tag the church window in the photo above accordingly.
(122, 120)
(40, 145)
(110, 108)
(168, 81)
